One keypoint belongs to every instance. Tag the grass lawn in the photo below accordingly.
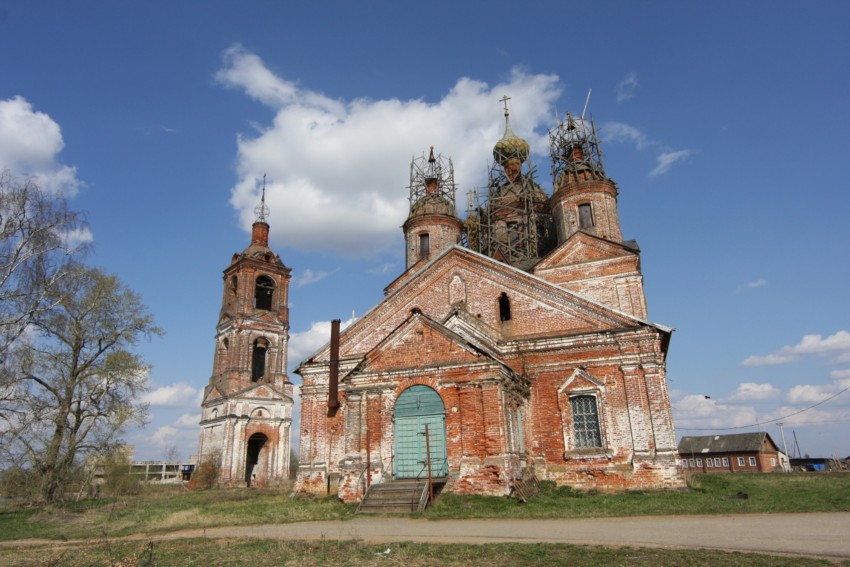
(167, 509)
(210, 553)
(708, 494)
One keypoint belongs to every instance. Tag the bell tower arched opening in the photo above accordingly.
(254, 453)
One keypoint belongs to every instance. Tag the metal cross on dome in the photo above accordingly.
(261, 210)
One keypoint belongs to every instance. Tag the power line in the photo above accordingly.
(764, 422)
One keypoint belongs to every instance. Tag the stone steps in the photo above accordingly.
(396, 497)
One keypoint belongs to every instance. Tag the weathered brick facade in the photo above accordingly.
(551, 368)
(247, 407)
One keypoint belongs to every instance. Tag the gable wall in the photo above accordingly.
(616, 282)
(483, 285)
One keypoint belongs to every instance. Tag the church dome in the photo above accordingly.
(510, 146)
(432, 205)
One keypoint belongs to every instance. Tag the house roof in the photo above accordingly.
(733, 443)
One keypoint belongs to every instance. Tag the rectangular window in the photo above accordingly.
(699, 462)
(740, 461)
(709, 463)
(585, 216)
(725, 461)
(752, 461)
(585, 422)
(692, 463)
(424, 245)
(773, 461)
(717, 462)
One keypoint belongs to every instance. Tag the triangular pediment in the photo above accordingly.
(256, 391)
(212, 394)
(580, 381)
(460, 279)
(418, 343)
(582, 247)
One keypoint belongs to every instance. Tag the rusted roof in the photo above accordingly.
(733, 443)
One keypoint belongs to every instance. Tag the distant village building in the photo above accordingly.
(739, 452)
(247, 406)
(514, 343)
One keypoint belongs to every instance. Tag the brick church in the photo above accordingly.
(515, 342)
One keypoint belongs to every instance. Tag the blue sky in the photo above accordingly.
(724, 124)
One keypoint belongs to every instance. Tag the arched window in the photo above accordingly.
(263, 293)
(258, 360)
(504, 307)
(585, 422)
(585, 215)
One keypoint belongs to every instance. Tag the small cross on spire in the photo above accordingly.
(504, 100)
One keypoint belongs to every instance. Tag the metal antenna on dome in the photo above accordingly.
(262, 211)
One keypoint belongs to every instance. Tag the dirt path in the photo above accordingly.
(819, 534)
(816, 534)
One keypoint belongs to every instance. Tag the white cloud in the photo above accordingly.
(337, 169)
(627, 87)
(165, 435)
(179, 394)
(751, 285)
(667, 159)
(811, 393)
(77, 237)
(619, 132)
(30, 142)
(310, 277)
(753, 391)
(305, 343)
(697, 411)
(837, 345)
(383, 269)
(792, 416)
(189, 420)
(624, 133)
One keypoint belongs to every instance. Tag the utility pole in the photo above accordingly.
(784, 445)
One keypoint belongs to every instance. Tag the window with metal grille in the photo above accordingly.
(585, 422)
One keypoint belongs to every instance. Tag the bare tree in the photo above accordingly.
(36, 230)
(77, 381)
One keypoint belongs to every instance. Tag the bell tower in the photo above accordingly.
(247, 407)
(432, 225)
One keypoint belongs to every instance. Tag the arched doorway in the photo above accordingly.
(256, 442)
(417, 407)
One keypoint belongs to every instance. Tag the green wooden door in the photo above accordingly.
(418, 407)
